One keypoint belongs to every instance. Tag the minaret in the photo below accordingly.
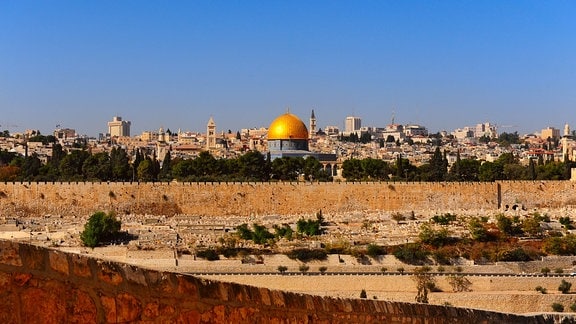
(312, 125)
(211, 134)
(566, 151)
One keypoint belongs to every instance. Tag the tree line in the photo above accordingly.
(81, 165)
(506, 167)
(117, 165)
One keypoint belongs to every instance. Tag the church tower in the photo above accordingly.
(312, 125)
(567, 144)
(211, 134)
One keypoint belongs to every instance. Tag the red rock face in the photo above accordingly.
(44, 289)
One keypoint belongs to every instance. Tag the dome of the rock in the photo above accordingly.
(287, 126)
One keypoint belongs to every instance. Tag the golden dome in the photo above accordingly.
(287, 126)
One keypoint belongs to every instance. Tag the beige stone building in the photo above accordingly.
(118, 127)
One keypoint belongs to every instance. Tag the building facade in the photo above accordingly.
(118, 127)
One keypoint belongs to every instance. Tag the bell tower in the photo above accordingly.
(211, 134)
(312, 125)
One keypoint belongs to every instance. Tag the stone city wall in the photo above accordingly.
(40, 285)
(278, 198)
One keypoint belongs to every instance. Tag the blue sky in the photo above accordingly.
(444, 64)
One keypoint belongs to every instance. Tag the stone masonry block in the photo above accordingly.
(80, 266)
(110, 273)
(10, 254)
(59, 262)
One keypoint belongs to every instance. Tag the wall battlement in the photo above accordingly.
(41, 285)
(279, 198)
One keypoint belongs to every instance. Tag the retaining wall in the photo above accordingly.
(40, 285)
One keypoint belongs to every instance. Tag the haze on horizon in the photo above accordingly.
(442, 64)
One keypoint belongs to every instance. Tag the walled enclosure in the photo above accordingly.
(280, 198)
(40, 285)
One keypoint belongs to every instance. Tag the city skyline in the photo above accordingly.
(444, 65)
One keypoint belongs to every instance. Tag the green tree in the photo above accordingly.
(287, 168)
(71, 165)
(352, 170)
(31, 167)
(183, 169)
(253, 167)
(375, 169)
(101, 227)
(438, 167)
(120, 165)
(145, 170)
(166, 170)
(97, 167)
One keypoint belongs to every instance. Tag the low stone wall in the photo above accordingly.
(39, 285)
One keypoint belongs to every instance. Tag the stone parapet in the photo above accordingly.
(40, 285)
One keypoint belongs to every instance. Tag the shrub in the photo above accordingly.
(518, 254)
(304, 268)
(573, 308)
(282, 268)
(557, 307)
(398, 217)
(383, 269)
(260, 234)
(545, 271)
(459, 283)
(411, 253)
(558, 270)
(564, 286)
(441, 269)
(401, 270)
(101, 227)
(443, 219)
(311, 227)
(541, 289)
(208, 254)
(566, 222)
(284, 231)
(322, 269)
(374, 250)
(306, 255)
(363, 293)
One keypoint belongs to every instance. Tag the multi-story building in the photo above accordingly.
(64, 133)
(352, 124)
(411, 130)
(118, 127)
(332, 130)
(550, 132)
(485, 129)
